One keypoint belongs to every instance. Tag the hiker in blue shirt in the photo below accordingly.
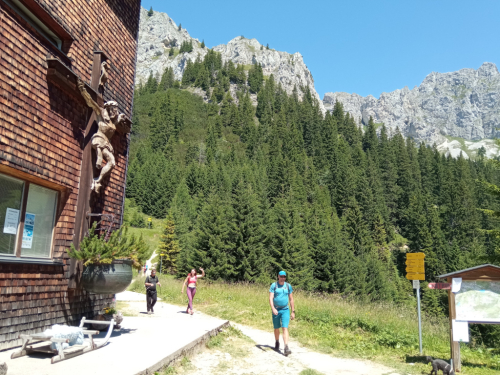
(280, 294)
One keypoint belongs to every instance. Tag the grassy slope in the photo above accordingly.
(331, 324)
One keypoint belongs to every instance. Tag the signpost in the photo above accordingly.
(439, 286)
(415, 270)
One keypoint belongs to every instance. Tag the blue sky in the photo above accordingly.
(366, 47)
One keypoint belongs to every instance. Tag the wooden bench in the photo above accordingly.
(72, 351)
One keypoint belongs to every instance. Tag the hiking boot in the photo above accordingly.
(149, 312)
(277, 346)
(287, 351)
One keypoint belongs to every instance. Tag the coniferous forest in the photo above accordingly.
(253, 188)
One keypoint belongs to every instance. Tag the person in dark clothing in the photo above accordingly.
(151, 283)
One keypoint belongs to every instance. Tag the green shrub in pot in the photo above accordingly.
(96, 250)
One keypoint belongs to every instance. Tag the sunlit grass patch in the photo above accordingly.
(383, 332)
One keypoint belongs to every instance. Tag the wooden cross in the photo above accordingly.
(86, 174)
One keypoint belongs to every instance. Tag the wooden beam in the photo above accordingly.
(48, 20)
(20, 225)
(454, 345)
(67, 79)
(31, 178)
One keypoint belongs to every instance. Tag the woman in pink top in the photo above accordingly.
(191, 287)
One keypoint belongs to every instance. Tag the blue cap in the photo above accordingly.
(282, 273)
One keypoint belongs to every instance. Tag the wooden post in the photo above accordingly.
(454, 345)
(86, 177)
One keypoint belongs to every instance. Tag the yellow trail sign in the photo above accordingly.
(417, 269)
(415, 256)
(415, 276)
(415, 262)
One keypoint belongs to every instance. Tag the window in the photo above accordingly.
(27, 215)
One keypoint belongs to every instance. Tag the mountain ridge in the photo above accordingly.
(463, 104)
(458, 111)
(159, 31)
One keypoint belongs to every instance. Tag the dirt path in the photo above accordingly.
(252, 352)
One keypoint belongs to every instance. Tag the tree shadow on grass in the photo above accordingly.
(416, 359)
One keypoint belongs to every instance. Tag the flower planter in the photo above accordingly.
(107, 278)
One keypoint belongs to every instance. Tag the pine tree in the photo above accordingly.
(151, 85)
(248, 230)
(169, 247)
(150, 12)
(180, 27)
(255, 78)
(215, 247)
(203, 79)
(167, 80)
(370, 139)
(202, 45)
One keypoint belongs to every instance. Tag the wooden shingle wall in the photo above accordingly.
(41, 133)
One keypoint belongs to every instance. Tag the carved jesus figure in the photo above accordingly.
(108, 119)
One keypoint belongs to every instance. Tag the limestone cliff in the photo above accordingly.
(158, 33)
(463, 104)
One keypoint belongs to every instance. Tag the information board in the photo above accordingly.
(478, 301)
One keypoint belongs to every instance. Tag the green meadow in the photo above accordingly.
(383, 333)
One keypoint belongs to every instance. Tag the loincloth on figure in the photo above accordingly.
(100, 141)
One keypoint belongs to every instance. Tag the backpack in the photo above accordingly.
(286, 284)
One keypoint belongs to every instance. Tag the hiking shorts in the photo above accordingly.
(282, 319)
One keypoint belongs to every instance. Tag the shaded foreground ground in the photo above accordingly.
(142, 343)
(382, 333)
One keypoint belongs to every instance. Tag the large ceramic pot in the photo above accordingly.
(107, 278)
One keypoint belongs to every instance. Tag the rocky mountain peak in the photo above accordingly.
(159, 33)
(463, 104)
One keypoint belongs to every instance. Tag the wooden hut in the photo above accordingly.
(45, 150)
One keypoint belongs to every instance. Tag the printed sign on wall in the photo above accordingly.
(11, 221)
(29, 227)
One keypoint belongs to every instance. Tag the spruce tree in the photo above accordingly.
(255, 78)
(248, 234)
(215, 250)
(169, 247)
(167, 80)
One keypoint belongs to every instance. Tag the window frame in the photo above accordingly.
(27, 181)
(43, 23)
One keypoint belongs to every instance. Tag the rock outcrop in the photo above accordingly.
(159, 32)
(464, 104)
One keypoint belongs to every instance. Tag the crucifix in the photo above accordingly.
(108, 120)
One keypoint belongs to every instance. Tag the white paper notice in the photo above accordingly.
(11, 221)
(456, 284)
(29, 227)
(460, 330)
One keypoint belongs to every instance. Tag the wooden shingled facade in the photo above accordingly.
(42, 138)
